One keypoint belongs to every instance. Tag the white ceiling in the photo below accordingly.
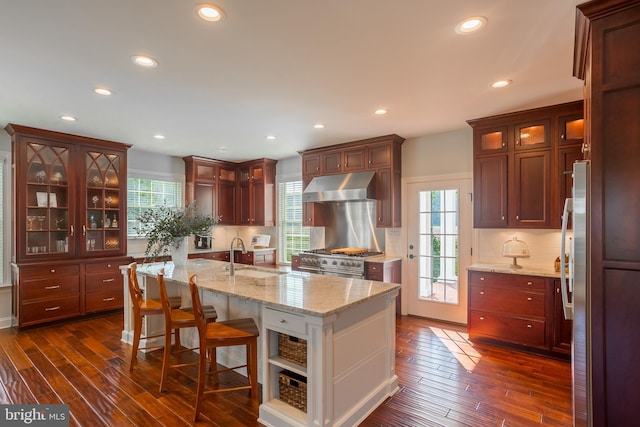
(277, 67)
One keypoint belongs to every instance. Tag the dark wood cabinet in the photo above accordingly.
(385, 271)
(518, 181)
(511, 308)
(69, 210)
(382, 154)
(608, 59)
(239, 194)
(257, 193)
(490, 191)
(295, 262)
(212, 185)
(260, 258)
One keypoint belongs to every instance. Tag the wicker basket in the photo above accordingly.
(292, 349)
(293, 389)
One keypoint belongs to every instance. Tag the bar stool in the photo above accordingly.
(223, 334)
(142, 308)
(174, 320)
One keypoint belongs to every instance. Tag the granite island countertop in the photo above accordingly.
(525, 270)
(306, 293)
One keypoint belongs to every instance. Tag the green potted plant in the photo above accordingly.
(167, 230)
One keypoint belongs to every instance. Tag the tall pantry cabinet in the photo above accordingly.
(607, 57)
(69, 224)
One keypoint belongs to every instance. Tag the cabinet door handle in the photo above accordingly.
(529, 299)
(108, 280)
(502, 219)
(562, 136)
(504, 144)
(518, 142)
(57, 307)
(517, 217)
(84, 230)
(52, 287)
(72, 231)
(108, 299)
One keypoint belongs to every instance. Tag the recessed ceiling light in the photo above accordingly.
(501, 83)
(318, 126)
(158, 136)
(471, 25)
(271, 137)
(68, 118)
(144, 61)
(103, 91)
(380, 112)
(209, 12)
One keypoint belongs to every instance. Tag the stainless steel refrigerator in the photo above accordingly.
(577, 288)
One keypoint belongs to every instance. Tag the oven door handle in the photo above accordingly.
(310, 270)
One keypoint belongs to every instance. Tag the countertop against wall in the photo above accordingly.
(506, 269)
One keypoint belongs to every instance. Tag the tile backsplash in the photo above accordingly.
(544, 246)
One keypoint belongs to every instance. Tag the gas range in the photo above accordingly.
(344, 262)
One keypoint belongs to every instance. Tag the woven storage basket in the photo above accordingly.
(292, 349)
(293, 389)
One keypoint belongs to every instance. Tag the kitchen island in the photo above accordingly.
(348, 324)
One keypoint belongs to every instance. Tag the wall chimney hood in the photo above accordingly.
(341, 188)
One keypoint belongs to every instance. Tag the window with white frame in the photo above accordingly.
(147, 193)
(293, 237)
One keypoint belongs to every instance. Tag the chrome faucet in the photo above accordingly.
(231, 254)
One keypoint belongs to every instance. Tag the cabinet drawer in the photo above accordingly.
(96, 282)
(507, 280)
(54, 309)
(49, 271)
(507, 301)
(506, 328)
(288, 323)
(50, 287)
(106, 299)
(374, 271)
(264, 258)
(105, 267)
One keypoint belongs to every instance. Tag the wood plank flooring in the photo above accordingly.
(444, 380)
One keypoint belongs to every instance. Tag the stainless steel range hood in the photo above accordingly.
(341, 188)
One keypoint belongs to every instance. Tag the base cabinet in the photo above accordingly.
(518, 310)
(59, 290)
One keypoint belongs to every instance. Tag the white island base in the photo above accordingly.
(349, 325)
(350, 364)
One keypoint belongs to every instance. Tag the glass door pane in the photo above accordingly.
(103, 202)
(438, 248)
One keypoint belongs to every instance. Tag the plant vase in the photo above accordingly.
(180, 251)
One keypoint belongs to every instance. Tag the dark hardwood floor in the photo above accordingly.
(444, 380)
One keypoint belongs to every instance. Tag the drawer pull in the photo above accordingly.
(283, 321)
(108, 265)
(53, 270)
(57, 307)
(52, 287)
(529, 326)
(481, 292)
(108, 299)
(482, 278)
(481, 317)
(529, 299)
(529, 283)
(108, 280)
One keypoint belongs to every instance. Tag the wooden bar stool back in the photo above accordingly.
(141, 308)
(223, 334)
(174, 320)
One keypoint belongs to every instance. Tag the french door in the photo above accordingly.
(439, 248)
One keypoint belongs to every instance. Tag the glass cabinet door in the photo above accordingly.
(48, 220)
(102, 221)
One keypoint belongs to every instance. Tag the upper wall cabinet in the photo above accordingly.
(237, 193)
(382, 154)
(521, 162)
